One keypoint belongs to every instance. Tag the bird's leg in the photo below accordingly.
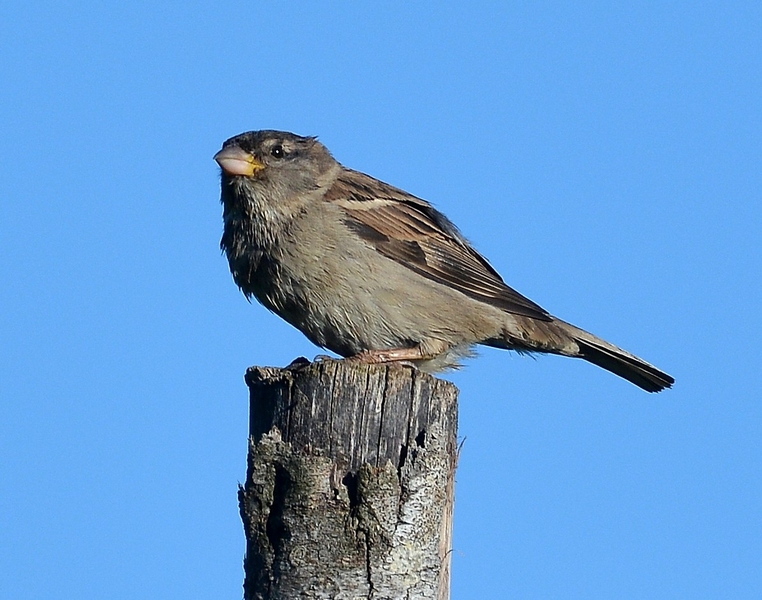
(372, 357)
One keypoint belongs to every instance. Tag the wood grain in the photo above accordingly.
(349, 488)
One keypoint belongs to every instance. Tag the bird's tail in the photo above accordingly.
(620, 362)
(558, 337)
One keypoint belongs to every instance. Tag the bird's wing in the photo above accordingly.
(413, 233)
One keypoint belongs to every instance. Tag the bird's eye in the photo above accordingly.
(277, 151)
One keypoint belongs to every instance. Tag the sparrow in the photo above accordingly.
(374, 273)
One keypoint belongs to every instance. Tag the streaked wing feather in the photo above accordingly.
(411, 232)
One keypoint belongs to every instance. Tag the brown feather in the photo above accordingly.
(413, 233)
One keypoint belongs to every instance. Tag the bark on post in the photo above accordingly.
(349, 489)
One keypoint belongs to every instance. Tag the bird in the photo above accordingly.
(374, 273)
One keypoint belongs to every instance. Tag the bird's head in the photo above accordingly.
(276, 165)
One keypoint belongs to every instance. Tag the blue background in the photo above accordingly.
(605, 158)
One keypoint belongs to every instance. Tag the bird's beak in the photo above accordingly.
(235, 161)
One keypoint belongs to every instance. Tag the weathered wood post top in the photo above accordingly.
(349, 487)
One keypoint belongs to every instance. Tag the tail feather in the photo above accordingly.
(624, 364)
(559, 337)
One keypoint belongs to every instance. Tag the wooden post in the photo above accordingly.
(349, 490)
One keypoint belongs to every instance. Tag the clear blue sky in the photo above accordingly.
(605, 158)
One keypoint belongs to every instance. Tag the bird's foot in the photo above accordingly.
(324, 358)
